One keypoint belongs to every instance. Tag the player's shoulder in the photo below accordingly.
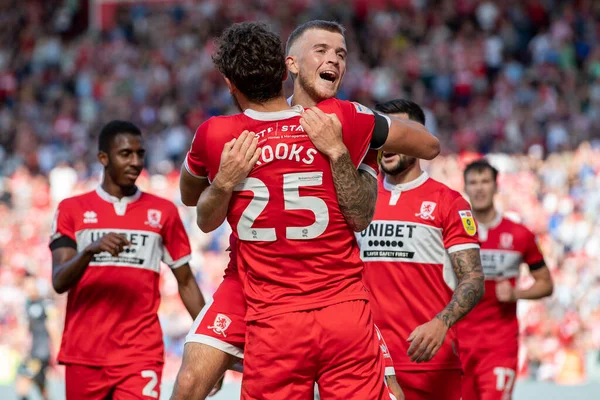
(76, 201)
(512, 225)
(444, 191)
(220, 124)
(334, 104)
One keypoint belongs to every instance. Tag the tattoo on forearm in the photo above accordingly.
(356, 193)
(467, 266)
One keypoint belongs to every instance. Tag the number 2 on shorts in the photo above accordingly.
(149, 388)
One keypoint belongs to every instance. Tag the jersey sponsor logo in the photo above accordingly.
(362, 109)
(400, 241)
(145, 251)
(500, 263)
(506, 240)
(90, 217)
(466, 216)
(427, 208)
(221, 324)
(154, 218)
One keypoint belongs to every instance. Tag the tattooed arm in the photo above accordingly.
(468, 270)
(356, 192)
(427, 339)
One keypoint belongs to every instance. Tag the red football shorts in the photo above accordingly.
(335, 346)
(430, 385)
(489, 374)
(388, 362)
(123, 382)
(221, 323)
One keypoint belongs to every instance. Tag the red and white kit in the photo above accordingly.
(112, 334)
(489, 334)
(408, 272)
(297, 258)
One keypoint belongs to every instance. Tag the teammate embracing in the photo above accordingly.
(308, 320)
(316, 58)
(489, 335)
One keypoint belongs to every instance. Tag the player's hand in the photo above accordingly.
(325, 131)
(426, 340)
(237, 160)
(113, 243)
(394, 387)
(217, 387)
(505, 292)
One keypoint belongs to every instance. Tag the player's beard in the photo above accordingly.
(401, 166)
(310, 89)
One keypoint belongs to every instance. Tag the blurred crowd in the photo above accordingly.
(519, 80)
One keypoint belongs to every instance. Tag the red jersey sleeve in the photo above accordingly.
(176, 244)
(459, 228)
(533, 256)
(358, 123)
(63, 228)
(370, 163)
(195, 162)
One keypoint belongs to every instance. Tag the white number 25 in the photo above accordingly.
(292, 201)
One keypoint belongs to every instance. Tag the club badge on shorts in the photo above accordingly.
(468, 222)
(221, 324)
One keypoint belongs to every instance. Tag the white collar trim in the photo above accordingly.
(276, 115)
(402, 187)
(495, 222)
(112, 199)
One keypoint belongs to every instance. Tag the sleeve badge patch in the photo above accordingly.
(466, 216)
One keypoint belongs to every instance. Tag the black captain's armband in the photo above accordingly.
(63, 241)
(537, 265)
(380, 131)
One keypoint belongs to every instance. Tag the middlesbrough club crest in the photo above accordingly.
(154, 218)
(221, 324)
(506, 240)
(427, 208)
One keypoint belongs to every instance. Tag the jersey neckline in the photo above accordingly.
(103, 194)
(295, 111)
(403, 187)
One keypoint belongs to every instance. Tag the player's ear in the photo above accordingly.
(103, 158)
(230, 85)
(292, 65)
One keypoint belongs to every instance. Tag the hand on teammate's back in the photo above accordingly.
(112, 243)
(325, 131)
(505, 292)
(237, 160)
(426, 340)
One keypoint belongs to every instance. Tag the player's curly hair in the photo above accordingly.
(252, 58)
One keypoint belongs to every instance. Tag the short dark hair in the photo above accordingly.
(114, 128)
(402, 106)
(480, 166)
(251, 57)
(329, 26)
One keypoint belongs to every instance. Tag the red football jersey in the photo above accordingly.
(295, 251)
(112, 311)
(407, 266)
(505, 245)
